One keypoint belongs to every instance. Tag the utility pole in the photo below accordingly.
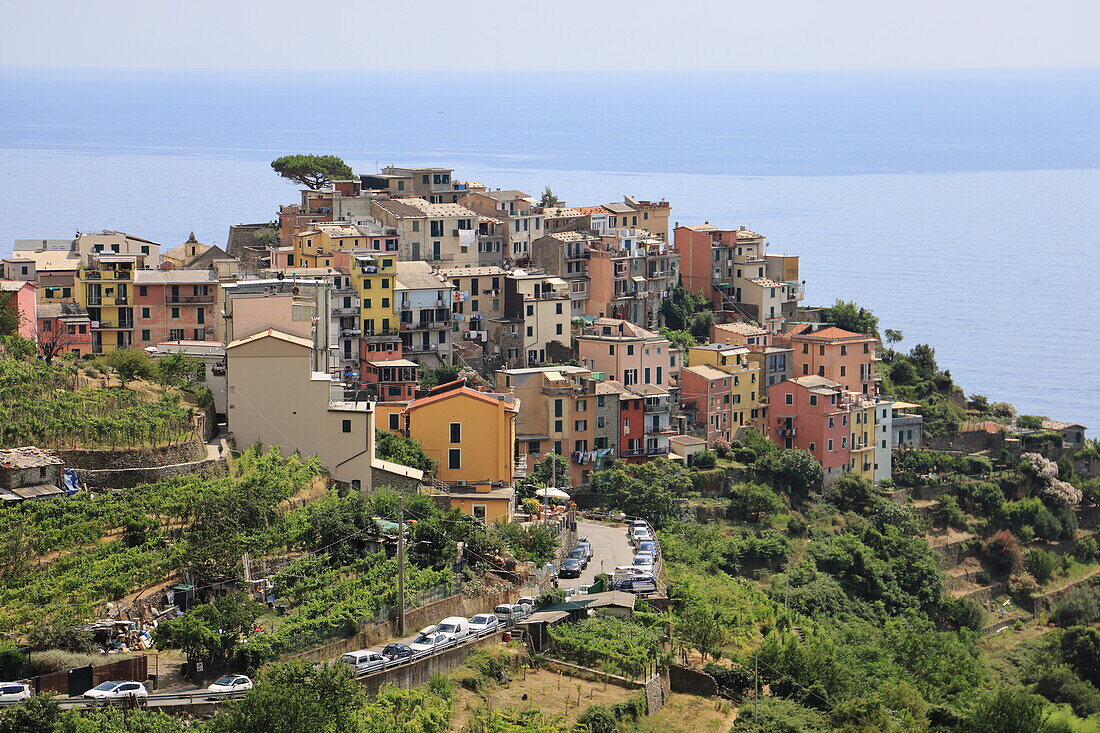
(756, 693)
(401, 565)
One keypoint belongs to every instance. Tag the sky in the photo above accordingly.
(567, 35)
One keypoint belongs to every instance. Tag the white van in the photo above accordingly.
(455, 627)
(510, 613)
(364, 661)
(625, 572)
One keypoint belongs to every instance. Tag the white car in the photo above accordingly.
(484, 623)
(643, 560)
(455, 627)
(231, 683)
(14, 691)
(364, 660)
(430, 642)
(116, 690)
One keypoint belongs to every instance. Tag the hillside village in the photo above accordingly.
(409, 396)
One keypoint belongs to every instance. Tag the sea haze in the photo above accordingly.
(961, 206)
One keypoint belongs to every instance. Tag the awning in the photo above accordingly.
(638, 279)
(552, 493)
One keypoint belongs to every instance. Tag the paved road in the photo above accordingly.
(610, 548)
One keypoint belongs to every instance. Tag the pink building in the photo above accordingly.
(628, 353)
(706, 396)
(174, 305)
(24, 299)
(811, 413)
(827, 351)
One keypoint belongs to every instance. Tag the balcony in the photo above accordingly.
(421, 348)
(519, 467)
(203, 298)
(351, 332)
(113, 325)
(351, 311)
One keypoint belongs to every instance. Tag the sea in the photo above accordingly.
(961, 206)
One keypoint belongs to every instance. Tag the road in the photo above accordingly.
(610, 548)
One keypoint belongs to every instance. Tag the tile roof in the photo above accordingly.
(440, 210)
(272, 333)
(10, 286)
(745, 329)
(829, 333)
(399, 208)
(418, 275)
(452, 272)
(561, 212)
(765, 282)
(460, 391)
(815, 382)
(706, 371)
(166, 277)
(509, 195)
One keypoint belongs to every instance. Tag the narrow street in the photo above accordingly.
(610, 548)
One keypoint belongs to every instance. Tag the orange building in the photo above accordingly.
(844, 357)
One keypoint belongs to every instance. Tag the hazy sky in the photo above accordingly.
(551, 34)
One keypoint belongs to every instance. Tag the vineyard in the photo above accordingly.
(50, 406)
(61, 559)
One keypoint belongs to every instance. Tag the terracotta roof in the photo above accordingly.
(745, 329)
(464, 391)
(272, 333)
(11, 286)
(815, 382)
(829, 333)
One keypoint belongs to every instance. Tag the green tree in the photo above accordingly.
(312, 171)
(851, 317)
(10, 317)
(1089, 452)
(794, 470)
(266, 237)
(1007, 711)
(680, 306)
(979, 403)
(130, 364)
(682, 340)
(753, 502)
(892, 336)
(651, 490)
(406, 451)
(37, 715)
(701, 325)
(1030, 422)
(780, 715)
(923, 357)
(431, 378)
(851, 492)
(212, 630)
(296, 697)
(1041, 564)
(549, 199)
(1080, 649)
(116, 720)
(902, 372)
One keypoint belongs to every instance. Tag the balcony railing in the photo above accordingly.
(203, 298)
(519, 467)
(350, 311)
(420, 348)
(351, 332)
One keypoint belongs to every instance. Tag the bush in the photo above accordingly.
(1047, 526)
(42, 638)
(963, 613)
(1030, 422)
(744, 455)
(704, 459)
(550, 597)
(1023, 584)
(753, 502)
(733, 680)
(1003, 552)
(1079, 608)
(598, 719)
(1086, 549)
(55, 661)
(1060, 684)
(531, 506)
(1041, 564)
(948, 513)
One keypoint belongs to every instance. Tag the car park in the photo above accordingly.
(586, 546)
(455, 627)
(570, 568)
(232, 683)
(14, 691)
(643, 560)
(484, 623)
(395, 651)
(364, 660)
(430, 642)
(117, 690)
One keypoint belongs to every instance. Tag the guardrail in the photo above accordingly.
(196, 697)
(416, 656)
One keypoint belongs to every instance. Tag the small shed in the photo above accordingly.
(30, 474)
(537, 623)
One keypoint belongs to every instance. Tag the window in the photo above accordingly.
(582, 405)
(830, 444)
(200, 334)
(630, 349)
(843, 350)
(454, 458)
(143, 290)
(831, 423)
(611, 350)
(456, 432)
(580, 425)
(144, 312)
(557, 408)
(559, 425)
(200, 315)
(813, 446)
(394, 417)
(146, 335)
(530, 332)
(600, 400)
(600, 422)
(647, 375)
(175, 312)
(813, 400)
(175, 334)
(416, 226)
(843, 370)
(345, 426)
(557, 309)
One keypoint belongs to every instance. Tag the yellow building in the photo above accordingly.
(374, 275)
(861, 443)
(745, 391)
(105, 288)
(314, 245)
(472, 437)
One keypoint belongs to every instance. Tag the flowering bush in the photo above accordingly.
(1003, 551)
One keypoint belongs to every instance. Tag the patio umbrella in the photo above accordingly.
(552, 493)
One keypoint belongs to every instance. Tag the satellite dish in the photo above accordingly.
(279, 276)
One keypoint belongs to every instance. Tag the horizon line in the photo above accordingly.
(578, 70)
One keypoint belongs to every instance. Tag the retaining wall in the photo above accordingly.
(192, 450)
(691, 681)
(124, 478)
(417, 673)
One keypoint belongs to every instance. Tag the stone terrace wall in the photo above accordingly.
(124, 478)
(192, 450)
(691, 681)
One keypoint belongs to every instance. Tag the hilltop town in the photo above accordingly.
(410, 396)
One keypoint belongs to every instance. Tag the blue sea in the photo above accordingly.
(961, 206)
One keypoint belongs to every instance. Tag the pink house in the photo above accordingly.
(628, 353)
(811, 413)
(24, 298)
(827, 351)
(705, 391)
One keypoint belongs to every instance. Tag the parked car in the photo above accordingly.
(586, 546)
(455, 627)
(570, 592)
(14, 691)
(116, 690)
(394, 651)
(647, 546)
(232, 683)
(364, 660)
(641, 534)
(483, 623)
(625, 572)
(644, 560)
(580, 556)
(641, 584)
(429, 642)
(636, 524)
(528, 601)
(511, 612)
(570, 568)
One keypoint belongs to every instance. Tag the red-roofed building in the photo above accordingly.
(811, 413)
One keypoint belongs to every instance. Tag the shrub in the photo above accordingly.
(1023, 584)
(744, 455)
(963, 613)
(61, 638)
(56, 660)
(948, 513)
(550, 598)
(1060, 684)
(1079, 608)
(1086, 549)
(753, 502)
(734, 680)
(531, 506)
(598, 719)
(1003, 551)
(1026, 533)
(704, 459)
(1030, 422)
(1041, 564)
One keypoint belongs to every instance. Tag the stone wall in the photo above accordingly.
(381, 477)
(417, 673)
(124, 478)
(691, 681)
(192, 450)
(657, 692)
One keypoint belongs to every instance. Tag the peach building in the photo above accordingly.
(827, 351)
(810, 413)
(626, 352)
